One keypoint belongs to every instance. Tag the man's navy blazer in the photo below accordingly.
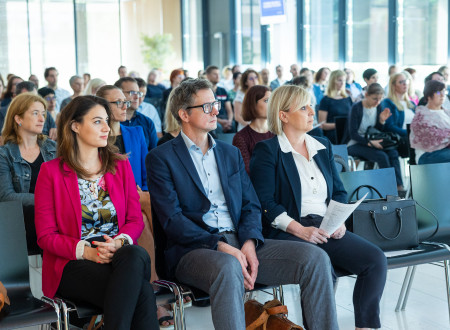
(277, 181)
(179, 200)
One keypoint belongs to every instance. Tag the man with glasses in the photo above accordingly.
(51, 76)
(148, 109)
(225, 117)
(77, 85)
(206, 204)
(131, 91)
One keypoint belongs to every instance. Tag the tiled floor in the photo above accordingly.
(427, 307)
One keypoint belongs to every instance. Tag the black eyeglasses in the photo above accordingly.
(207, 107)
(121, 103)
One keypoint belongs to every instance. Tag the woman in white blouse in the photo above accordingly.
(295, 178)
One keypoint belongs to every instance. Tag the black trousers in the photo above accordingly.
(30, 229)
(121, 288)
(358, 256)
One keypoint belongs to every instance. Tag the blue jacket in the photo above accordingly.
(136, 149)
(179, 200)
(138, 119)
(317, 93)
(354, 120)
(15, 172)
(394, 122)
(277, 182)
(274, 84)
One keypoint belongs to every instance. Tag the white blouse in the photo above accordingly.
(313, 185)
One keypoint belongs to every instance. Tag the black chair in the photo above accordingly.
(26, 310)
(176, 287)
(428, 252)
(342, 136)
(340, 157)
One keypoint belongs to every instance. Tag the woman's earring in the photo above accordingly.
(20, 124)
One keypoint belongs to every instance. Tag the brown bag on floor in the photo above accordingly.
(4, 301)
(270, 316)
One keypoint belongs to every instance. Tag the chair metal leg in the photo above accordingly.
(411, 279)
(280, 289)
(447, 282)
(335, 285)
(57, 309)
(275, 293)
(402, 291)
(65, 312)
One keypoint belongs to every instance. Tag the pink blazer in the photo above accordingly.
(58, 215)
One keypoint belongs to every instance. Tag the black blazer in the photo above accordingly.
(277, 182)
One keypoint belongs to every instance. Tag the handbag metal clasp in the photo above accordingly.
(385, 208)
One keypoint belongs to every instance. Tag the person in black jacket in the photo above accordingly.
(364, 114)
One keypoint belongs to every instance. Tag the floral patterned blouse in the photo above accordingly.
(98, 214)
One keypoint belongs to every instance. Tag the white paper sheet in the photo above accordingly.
(319, 124)
(336, 215)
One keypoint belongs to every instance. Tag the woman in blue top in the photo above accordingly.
(353, 88)
(320, 83)
(365, 113)
(399, 104)
(335, 103)
(25, 149)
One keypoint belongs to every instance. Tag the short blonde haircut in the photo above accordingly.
(19, 105)
(331, 88)
(282, 99)
(93, 85)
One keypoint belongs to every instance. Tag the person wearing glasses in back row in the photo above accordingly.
(130, 89)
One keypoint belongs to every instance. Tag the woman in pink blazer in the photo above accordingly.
(88, 220)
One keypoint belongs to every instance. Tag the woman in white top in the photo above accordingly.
(295, 178)
(430, 128)
(249, 79)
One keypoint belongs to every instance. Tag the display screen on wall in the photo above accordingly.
(272, 12)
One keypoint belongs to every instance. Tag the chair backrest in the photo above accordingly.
(341, 151)
(341, 129)
(160, 240)
(381, 179)
(14, 269)
(412, 151)
(430, 186)
(226, 137)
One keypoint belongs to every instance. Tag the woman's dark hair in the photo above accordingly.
(253, 95)
(244, 77)
(375, 88)
(318, 75)
(432, 87)
(8, 92)
(236, 74)
(67, 145)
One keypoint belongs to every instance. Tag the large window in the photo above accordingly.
(423, 32)
(251, 32)
(321, 32)
(192, 35)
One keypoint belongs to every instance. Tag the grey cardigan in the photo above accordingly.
(15, 172)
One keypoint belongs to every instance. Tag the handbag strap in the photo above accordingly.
(356, 191)
(261, 320)
(435, 218)
(399, 216)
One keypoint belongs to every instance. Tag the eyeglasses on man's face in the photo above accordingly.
(50, 98)
(121, 103)
(134, 93)
(207, 107)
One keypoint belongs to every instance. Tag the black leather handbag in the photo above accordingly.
(389, 223)
(390, 140)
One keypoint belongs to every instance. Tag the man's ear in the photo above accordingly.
(75, 126)
(183, 114)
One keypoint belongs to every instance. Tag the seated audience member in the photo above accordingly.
(293, 69)
(154, 89)
(445, 72)
(254, 110)
(48, 95)
(393, 69)
(148, 109)
(201, 74)
(86, 78)
(93, 86)
(172, 128)
(122, 71)
(364, 114)
(88, 221)
(413, 92)
(8, 94)
(130, 88)
(34, 79)
(210, 213)
(236, 85)
(335, 103)
(279, 81)
(398, 102)
(51, 76)
(25, 149)
(304, 81)
(438, 77)
(248, 79)
(412, 95)
(295, 177)
(430, 128)
(225, 117)
(227, 80)
(320, 83)
(265, 76)
(370, 77)
(176, 77)
(77, 85)
(353, 88)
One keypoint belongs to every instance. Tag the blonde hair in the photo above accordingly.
(331, 88)
(19, 105)
(170, 123)
(93, 85)
(411, 91)
(282, 99)
(392, 95)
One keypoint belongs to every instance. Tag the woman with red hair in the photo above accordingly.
(176, 77)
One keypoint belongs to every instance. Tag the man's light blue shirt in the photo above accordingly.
(218, 215)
